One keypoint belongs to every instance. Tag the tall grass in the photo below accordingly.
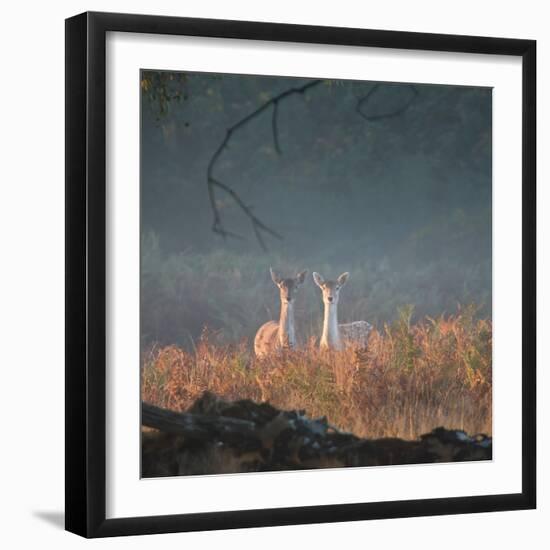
(412, 377)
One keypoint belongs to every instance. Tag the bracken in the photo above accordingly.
(410, 379)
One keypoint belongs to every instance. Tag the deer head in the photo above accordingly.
(288, 287)
(330, 289)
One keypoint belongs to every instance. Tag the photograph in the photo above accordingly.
(315, 273)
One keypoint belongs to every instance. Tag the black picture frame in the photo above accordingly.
(86, 274)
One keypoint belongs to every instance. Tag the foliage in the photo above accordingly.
(162, 89)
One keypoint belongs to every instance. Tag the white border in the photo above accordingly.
(127, 495)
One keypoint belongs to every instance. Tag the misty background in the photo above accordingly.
(398, 194)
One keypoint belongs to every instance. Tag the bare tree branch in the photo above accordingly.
(213, 183)
(363, 102)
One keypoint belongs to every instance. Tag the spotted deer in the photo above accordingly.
(335, 336)
(273, 336)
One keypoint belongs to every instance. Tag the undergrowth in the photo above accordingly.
(411, 378)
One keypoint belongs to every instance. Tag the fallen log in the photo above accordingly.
(218, 436)
(198, 426)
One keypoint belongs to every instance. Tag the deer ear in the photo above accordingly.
(274, 276)
(343, 279)
(301, 276)
(318, 279)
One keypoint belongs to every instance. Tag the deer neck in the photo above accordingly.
(287, 336)
(331, 334)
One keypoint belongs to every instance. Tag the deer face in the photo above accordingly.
(288, 287)
(330, 289)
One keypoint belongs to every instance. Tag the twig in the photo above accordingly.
(371, 118)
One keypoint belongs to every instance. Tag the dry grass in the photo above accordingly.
(411, 379)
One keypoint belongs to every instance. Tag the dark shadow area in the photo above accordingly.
(220, 437)
(54, 518)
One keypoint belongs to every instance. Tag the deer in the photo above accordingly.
(334, 335)
(274, 336)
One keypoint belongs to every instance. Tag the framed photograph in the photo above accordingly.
(300, 281)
